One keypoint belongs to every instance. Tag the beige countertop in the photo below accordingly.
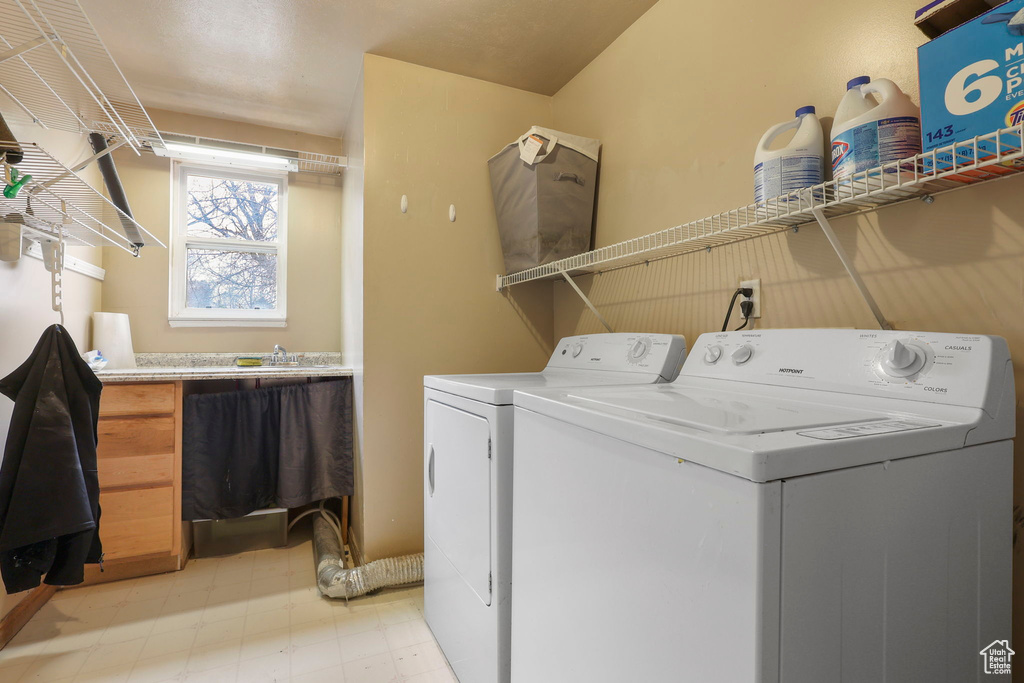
(169, 374)
(169, 367)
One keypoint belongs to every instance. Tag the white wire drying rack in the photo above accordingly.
(57, 203)
(57, 71)
(308, 162)
(982, 159)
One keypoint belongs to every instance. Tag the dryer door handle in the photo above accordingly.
(430, 470)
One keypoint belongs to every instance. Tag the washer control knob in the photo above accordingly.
(902, 359)
(712, 353)
(742, 354)
(899, 356)
(577, 349)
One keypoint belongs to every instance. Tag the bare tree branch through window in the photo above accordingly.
(232, 277)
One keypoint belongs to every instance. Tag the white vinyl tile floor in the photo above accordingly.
(250, 618)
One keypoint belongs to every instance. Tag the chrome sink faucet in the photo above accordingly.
(281, 357)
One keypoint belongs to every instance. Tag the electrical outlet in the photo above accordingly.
(756, 298)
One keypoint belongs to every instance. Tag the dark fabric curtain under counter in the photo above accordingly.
(281, 446)
(229, 458)
(316, 443)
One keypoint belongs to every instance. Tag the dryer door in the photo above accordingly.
(457, 492)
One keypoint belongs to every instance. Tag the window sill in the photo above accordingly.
(225, 322)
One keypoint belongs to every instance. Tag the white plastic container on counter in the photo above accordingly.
(799, 164)
(868, 132)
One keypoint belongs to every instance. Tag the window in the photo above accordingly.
(228, 255)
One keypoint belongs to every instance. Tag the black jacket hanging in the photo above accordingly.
(49, 489)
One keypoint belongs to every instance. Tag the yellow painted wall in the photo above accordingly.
(680, 101)
(139, 287)
(430, 305)
(352, 290)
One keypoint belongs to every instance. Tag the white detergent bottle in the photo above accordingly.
(799, 164)
(876, 124)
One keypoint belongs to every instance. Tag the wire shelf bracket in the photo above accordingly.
(985, 158)
(586, 300)
(851, 269)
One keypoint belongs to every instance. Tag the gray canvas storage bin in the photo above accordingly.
(545, 209)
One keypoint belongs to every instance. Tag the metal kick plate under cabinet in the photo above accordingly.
(256, 531)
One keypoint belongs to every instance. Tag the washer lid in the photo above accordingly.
(761, 434)
(722, 412)
(497, 389)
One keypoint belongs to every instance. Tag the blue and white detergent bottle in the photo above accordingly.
(868, 133)
(799, 164)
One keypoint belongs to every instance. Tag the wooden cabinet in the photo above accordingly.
(139, 461)
(137, 522)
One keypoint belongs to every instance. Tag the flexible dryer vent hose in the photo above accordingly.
(336, 581)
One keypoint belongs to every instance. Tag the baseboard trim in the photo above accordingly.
(15, 620)
(130, 569)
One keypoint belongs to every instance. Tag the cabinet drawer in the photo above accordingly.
(136, 470)
(137, 399)
(119, 437)
(136, 523)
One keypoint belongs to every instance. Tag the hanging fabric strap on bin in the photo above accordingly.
(571, 176)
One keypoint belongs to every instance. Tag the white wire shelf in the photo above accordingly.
(308, 162)
(57, 202)
(57, 71)
(984, 158)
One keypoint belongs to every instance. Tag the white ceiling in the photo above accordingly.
(294, 64)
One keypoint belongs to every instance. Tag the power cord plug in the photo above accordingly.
(746, 308)
(747, 292)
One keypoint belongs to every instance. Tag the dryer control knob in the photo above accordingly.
(742, 354)
(902, 359)
(577, 350)
(638, 350)
(712, 353)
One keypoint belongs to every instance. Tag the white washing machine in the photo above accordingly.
(799, 506)
(468, 487)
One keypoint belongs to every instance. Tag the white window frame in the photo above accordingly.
(179, 314)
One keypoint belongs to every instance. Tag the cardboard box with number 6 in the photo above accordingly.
(972, 83)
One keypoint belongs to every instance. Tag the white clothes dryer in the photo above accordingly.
(468, 432)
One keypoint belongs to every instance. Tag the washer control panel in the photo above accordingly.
(936, 367)
(662, 354)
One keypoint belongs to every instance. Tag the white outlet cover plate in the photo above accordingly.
(756, 286)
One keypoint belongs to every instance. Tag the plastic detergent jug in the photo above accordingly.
(799, 164)
(868, 133)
